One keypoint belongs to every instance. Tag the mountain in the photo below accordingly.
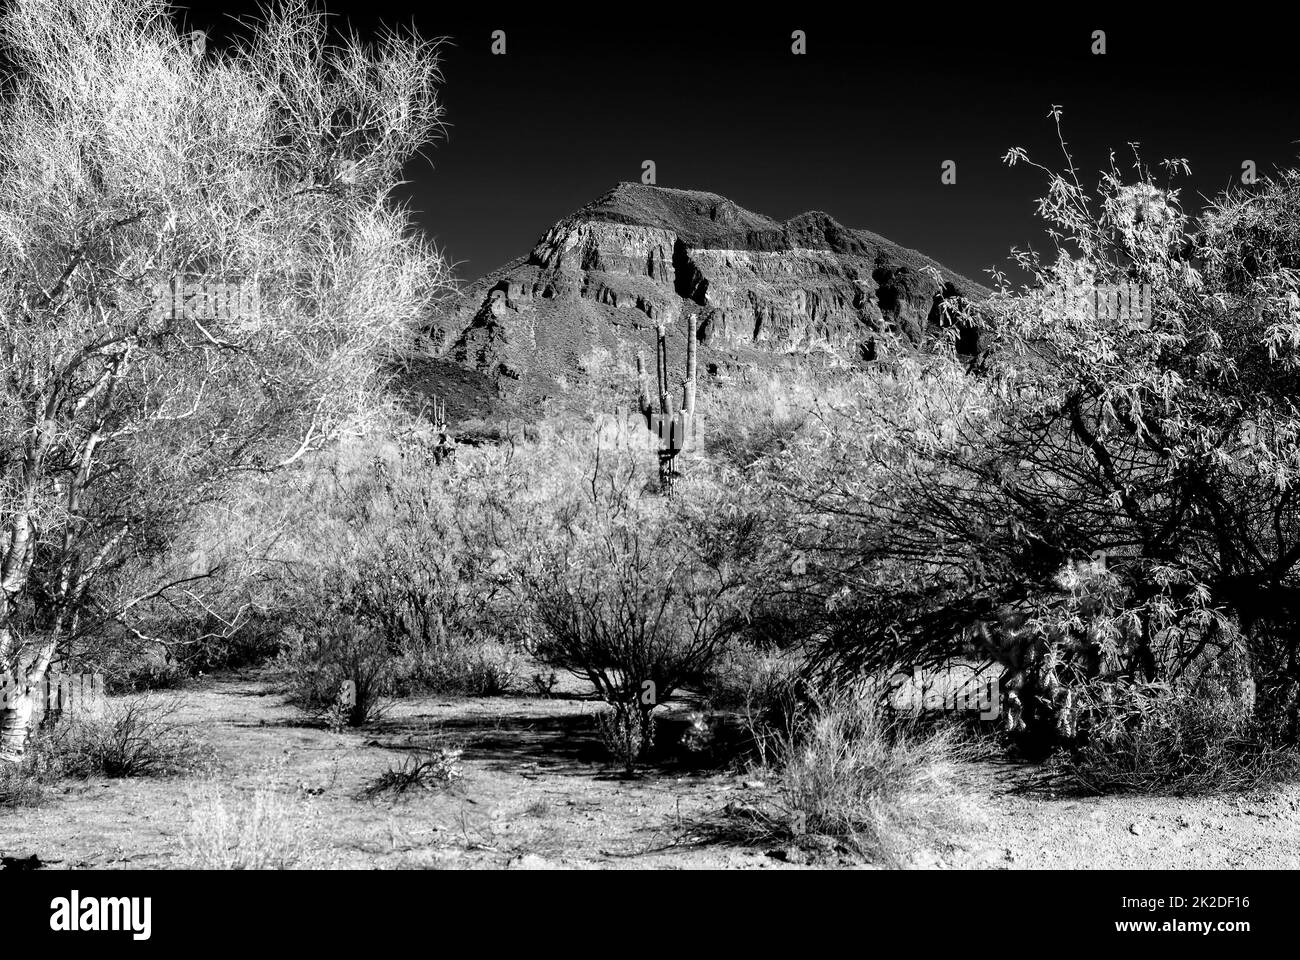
(598, 283)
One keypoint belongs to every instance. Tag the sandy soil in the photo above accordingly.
(538, 792)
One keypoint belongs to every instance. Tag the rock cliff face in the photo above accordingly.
(597, 284)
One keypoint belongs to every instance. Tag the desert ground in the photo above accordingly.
(537, 792)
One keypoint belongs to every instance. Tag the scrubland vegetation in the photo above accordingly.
(1104, 509)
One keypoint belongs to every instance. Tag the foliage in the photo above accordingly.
(637, 593)
(844, 770)
(426, 770)
(336, 649)
(410, 556)
(261, 829)
(22, 784)
(1149, 738)
(477, 668)
(136, 737)
(134, 164)
(1111, 497)
(628, 734)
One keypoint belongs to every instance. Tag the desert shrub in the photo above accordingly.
(484, 668)
(1110, 496)
(134, 738)
(744, 445)
(543, 684)
(427, 770)
(633, 593)
(142, 674)
(763, 418)
(413, 555)
(475, 432)
(193, 646)
(1151, 738)
(627, 734)
(846, 770)
(21, 784)
(344, 650)
(261, 830)
(209, 642)
(336, 648)
(747, 677)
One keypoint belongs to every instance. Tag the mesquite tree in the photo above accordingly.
(144, 175)
(1110, 501)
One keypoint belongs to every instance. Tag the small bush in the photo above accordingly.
(746, 677)
(196, 644)
(485, 668)
(20, 784)
(23, 784)
(1151, 738)
(261, 831)
(339, 649)
(491, 669)
(135, 738)
(347, 650)
(636, 594)
(427, 770)
(147, 674)
(846, 771)
(544, 684)
(628, 734)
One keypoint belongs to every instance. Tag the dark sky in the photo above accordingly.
(858, 127)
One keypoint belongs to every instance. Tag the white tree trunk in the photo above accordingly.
(15, 722)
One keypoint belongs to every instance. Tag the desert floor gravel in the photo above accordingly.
(538, 792)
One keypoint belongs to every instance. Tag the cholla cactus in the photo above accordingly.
(340, 710)
(627, 733)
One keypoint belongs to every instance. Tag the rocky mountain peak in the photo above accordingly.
(600, 281)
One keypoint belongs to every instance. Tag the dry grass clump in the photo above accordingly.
(22, 784)
(259, 830)
(479, 668)
(878, 785)
(133, 738)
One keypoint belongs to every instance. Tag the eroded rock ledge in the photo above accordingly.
(599, 280)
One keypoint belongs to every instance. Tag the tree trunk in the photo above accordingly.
(15, 723)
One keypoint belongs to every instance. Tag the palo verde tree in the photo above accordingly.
(143, 175)
(1110, 499)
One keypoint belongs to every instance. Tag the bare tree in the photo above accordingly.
(144, 177)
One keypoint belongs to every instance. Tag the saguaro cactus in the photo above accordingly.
(688, 392)
(675, 427)
(643, 387)
(661, 369)
(444, 450)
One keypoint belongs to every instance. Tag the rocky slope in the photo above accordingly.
(597, 284)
